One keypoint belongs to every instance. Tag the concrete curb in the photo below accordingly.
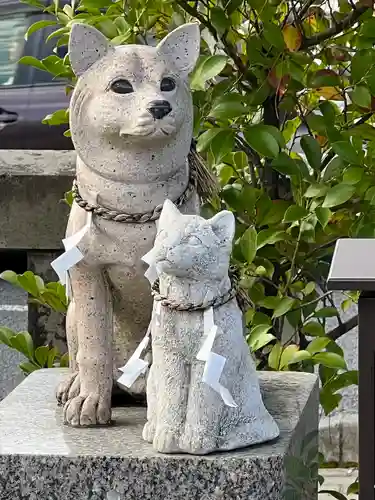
(338, 438)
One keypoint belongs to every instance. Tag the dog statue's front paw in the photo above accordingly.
(88, 410)
(68, 388)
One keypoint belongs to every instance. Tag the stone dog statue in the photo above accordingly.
(131, 119)
(203, 393)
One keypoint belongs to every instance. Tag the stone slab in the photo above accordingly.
(42, 459)
(32, 184)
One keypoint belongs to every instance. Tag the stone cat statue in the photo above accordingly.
(131, 119)
(185, 413)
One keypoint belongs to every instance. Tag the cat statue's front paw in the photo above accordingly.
(166, 441)
(197, 442)
(87, 410)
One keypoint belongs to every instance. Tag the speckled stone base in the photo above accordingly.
(41, 459)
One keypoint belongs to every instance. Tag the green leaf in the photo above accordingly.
(309, 288)
(248, 244)
(285, 305)
(299, 356)
(269, 237)
(273, 34)
(28, 367)
(294, 213)
(270, 302)
(228, 110)
(323, 214)
(353, 489)
(361, 96)
(53, 301)
(64, 361)
(222, 144)
(262, 141)
(28, 282)
(206, 138)
(313, 329)
(285, 165)
(337, 195)
(346, 152)
(333, 169)
(329, 402)
(59, 117)
(219, 19)
(330, 359)
(326, 312)
(32, 61)
(208, 69)
(52, 355)
(37, 26)
(316, 190)
(353, 175)
(328, 111)
(24, 344)
(288, 354)
(11, 277)
(318, 344)
(259, 337)
(311, 148)
(323, 78)
(6, 335)
(274, 356)
(368, 28)
(41, 355)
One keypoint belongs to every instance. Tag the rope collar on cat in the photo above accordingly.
(206, 304)
(139, 218)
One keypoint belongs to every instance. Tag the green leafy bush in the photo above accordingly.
(284, 96)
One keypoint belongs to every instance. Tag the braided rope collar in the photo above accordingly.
(206, 304)
(139, 218)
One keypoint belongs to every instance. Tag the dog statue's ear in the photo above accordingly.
(182, 46)
(86, 46)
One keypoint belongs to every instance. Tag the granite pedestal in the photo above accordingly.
(41, 459)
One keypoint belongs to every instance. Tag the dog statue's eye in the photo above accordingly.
(167, 84)
(122, 87)
(193, 240)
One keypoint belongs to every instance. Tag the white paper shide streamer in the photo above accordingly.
(71, 256)
(214, 362)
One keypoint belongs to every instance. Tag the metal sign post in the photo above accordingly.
(353, 268)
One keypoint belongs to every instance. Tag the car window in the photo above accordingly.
(12, 42)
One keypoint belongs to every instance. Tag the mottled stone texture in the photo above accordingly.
(32, 183)
(185, 413)
(132, 129)
(40, 459)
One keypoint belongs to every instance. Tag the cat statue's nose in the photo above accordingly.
(159, 109)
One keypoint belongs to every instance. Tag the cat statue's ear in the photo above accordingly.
(182, 46)
(168, 215)
(223, 225)
(86, 46)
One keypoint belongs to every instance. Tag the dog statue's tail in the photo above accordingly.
(207, 184)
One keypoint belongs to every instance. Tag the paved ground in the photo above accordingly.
(13, 314)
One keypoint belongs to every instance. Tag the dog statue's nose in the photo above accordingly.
(159, 109)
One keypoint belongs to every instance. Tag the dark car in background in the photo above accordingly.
(27, 94)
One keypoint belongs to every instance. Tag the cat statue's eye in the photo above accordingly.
(122, 87)
(167, 84)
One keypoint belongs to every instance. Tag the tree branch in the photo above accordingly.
(340, 330)
(346, 23)
(230, 49)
